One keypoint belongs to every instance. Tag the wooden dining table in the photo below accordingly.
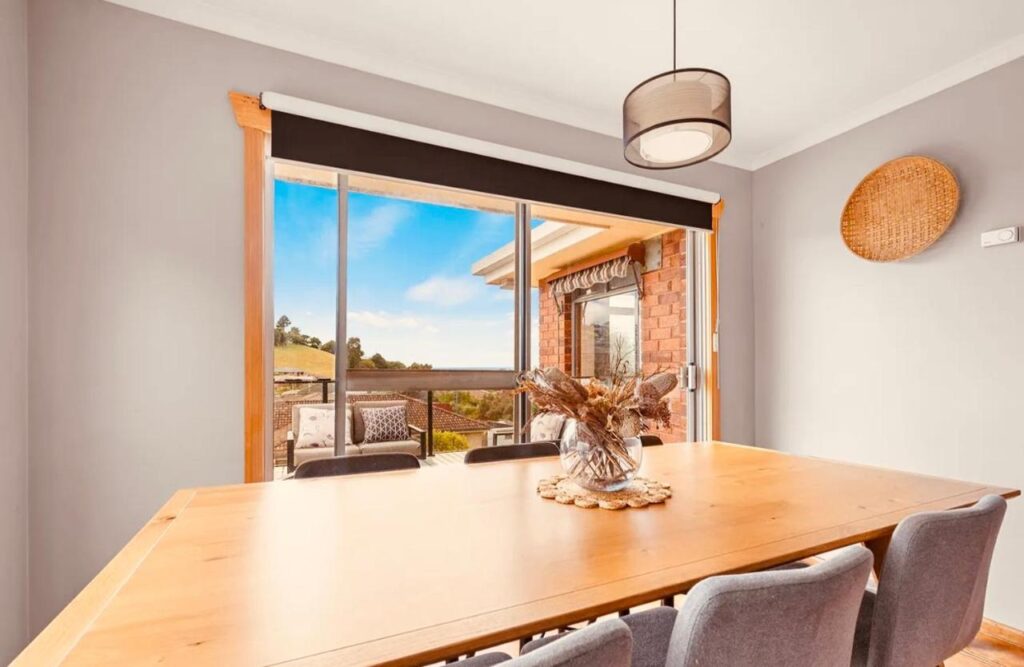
(410, 567)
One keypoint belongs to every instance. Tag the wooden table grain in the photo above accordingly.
(409, 567)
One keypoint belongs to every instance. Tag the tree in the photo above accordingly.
(355, 353)
(448, 441)
(295, 336)
(357, 358)
(329, 346)
(313, 341)
(494, 406)
(280, 337)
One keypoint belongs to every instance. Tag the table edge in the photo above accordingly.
(60, 636)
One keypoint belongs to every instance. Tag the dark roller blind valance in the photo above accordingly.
(319, 142)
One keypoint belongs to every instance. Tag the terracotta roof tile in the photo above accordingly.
(444, 419)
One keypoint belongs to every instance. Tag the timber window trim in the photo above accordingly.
(256, 121)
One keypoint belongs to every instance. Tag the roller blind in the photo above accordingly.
(354, 149)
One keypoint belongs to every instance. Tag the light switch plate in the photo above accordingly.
(999, 236)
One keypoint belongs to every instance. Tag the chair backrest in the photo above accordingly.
(931, 594)
(356, 465)
(359, 424)
(650, 441)
(605, 644)
(527, 450)
(804, 617)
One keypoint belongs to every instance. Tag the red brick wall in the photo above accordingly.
(662, 326)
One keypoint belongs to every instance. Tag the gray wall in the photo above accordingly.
(136, 263)
(135, 283)
(13, 323)
(917, 364)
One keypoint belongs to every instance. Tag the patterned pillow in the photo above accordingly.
(385, 424)
(316, 427)
(546, 426)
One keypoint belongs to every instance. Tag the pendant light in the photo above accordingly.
(677, 118)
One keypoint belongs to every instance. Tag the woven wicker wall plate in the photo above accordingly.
(900, 208)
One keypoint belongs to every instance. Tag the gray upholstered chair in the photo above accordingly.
(356, 464)
(778, 617)
(790, 617)
(527, 450)
(931, 595)
(651, 631)
(606, 644)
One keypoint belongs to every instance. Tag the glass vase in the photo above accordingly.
(599, 460)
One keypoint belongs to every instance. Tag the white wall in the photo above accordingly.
(13, 325)
(915, 365)
(136, 262)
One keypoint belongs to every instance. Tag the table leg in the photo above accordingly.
(879, 546)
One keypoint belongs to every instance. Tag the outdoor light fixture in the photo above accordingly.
(677, 118)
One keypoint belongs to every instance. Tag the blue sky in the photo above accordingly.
(411, 292)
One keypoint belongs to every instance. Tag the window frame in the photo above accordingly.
(583, 299)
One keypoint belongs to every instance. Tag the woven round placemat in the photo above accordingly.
(641, 492)
(900, 208)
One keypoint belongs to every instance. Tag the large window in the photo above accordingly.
(389, 288)
(427, 316)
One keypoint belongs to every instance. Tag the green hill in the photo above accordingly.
(309, 359)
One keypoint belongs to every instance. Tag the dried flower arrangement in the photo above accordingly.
(606, 414)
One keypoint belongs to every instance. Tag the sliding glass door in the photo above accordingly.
(429, 336)
(421, 303)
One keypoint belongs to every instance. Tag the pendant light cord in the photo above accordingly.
(674, 34)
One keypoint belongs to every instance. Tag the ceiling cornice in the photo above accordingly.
(244, 26)
(1000, 55)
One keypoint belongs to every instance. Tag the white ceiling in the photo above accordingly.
(802, 70)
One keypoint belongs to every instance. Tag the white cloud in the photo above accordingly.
(372, 230)
(460, 343)
(442, 291)
(384, 320)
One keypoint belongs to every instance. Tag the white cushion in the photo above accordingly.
(316, 427)
(546, 426)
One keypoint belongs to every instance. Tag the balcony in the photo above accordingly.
(447, 427)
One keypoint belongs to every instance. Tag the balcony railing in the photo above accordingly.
(400, 381)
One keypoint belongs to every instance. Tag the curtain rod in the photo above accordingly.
(341, 116)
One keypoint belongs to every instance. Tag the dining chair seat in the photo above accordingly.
(356, 464)
(931, 593)
(526, 450)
